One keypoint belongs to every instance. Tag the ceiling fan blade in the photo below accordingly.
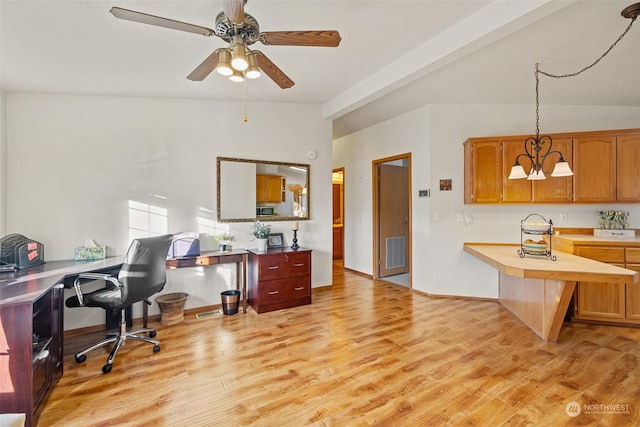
(132, 15)
(327, 38)
(270, 69)
(206, 67)
(234, 11)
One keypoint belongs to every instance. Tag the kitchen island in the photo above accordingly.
(538, 290)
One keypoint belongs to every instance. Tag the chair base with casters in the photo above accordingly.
(119, 338)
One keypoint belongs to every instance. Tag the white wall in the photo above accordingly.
(3, 163)
(75, 161)
(434, 135)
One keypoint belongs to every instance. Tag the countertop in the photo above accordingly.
(598, 241)
(567, 267)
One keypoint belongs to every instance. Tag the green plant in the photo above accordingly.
(224, 237)
(260, 230)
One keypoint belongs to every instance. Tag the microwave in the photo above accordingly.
(265, 211)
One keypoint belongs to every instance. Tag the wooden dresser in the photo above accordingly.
(279, 278)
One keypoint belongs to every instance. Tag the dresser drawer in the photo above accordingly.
(284, 265)
(284, 289)
(602, 254)
(272, 267)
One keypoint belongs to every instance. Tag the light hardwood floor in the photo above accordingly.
(364, 353)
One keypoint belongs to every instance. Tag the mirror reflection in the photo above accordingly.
(258, 189)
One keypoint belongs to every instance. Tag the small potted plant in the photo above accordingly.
(224, 241)
(261, 232)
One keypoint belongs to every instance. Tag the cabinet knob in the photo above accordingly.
(274, 292)
(274, 267)
(298, 288)
(301, 264)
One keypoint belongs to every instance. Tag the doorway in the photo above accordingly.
(337, 183)
(392, 219)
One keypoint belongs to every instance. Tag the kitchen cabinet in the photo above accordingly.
(483, 171)
(338, 241)
(270, 188)
(628, 168)
(600, 301)
(279, 278)
(594, 168)
(606, 166)
(488, 163)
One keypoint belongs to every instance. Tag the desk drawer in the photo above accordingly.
(633, 255)
(602, 254)
(284, 289)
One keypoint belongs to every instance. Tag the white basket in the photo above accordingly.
(598, 232)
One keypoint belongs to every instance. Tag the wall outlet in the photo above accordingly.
(564, 217)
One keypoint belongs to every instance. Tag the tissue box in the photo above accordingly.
(83, 253)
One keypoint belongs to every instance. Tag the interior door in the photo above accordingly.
(394, 219)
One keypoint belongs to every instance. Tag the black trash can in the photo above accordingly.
(230, 301)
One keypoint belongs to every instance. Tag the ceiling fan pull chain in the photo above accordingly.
(245, 100)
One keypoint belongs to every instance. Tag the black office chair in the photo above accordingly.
(143, 274)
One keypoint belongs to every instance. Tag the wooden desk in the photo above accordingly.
(238, 257)
(31, 303)
(538, 290)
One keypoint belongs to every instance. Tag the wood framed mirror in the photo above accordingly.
(258, 189)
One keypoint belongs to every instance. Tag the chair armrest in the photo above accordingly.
(88, 277)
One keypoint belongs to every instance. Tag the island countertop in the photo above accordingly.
(538, 290)
(567, 267)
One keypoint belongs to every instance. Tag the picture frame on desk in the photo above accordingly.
(275, 240)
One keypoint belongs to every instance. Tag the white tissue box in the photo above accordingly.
(83, 253)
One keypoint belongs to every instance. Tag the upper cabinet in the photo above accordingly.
(594, 168)
(270, 188)
(606, 168)
(628, 168)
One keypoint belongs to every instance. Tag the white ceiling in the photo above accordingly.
(395, 55)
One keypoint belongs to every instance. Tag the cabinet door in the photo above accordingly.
(628, 165)
(594, 168)
(514, 190)
(600, 301)
(268, 189)
(337, 243)
(555, 189)
(633, 295)
(483, 172)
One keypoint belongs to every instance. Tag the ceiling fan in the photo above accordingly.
(240, 30)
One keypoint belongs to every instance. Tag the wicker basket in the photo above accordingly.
(172, 307)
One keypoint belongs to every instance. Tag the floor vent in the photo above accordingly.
(395, 252)
(208, 314)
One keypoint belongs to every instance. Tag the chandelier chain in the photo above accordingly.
(560, 76)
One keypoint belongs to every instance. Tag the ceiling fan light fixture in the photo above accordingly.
(224, 66)
(236, 77)
(239, 56)
(253, 72)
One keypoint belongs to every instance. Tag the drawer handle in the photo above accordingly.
(299, 265)
(42, 355)
(275, 267)
(274, 292)
(298, 289)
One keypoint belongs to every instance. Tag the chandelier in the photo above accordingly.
(537, 148)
